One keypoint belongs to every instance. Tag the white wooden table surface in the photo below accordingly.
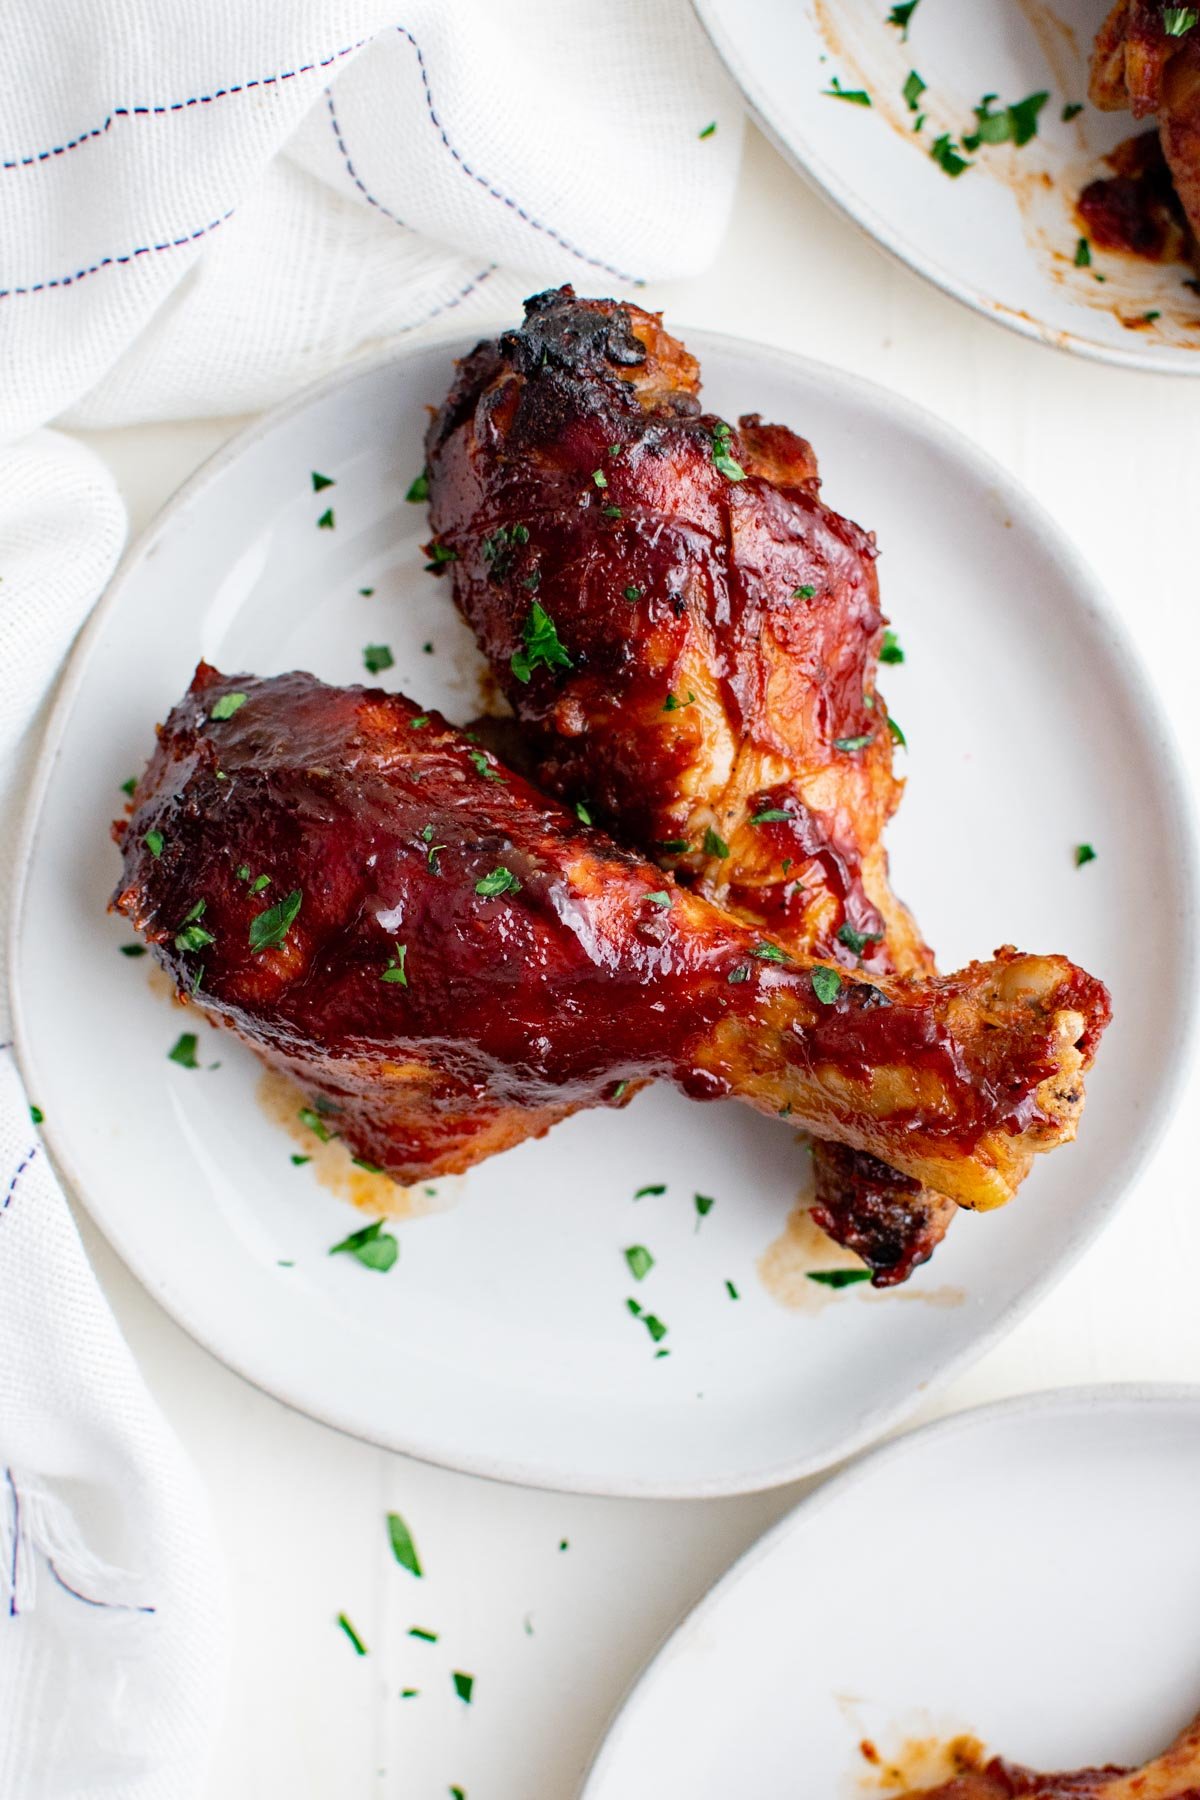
(554, 1636)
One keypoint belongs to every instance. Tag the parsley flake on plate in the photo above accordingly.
(418, 1631)
(395, 971)
(947, 156)
(826, 983)
(377, 657)
(500, 881)
(360, 1649)
(654, 1187)
(731, 1290)
(419, 489)
(269, 929)
(541, 647)
(298, 1162)
(709, 130)
(889, 650)
(704, 1204)
(183, 1051)
(639, 1260)
(321, 481)
(1015, 124)
(464, 1685)
(405, 1553)
(326, 520)
(366, 593)
(1071, 111)
(912, 90)
(839, 1278)
(132, 949)
(37, 1115)
(856, 96)
(1084, 853)
(127, 787)
(374, 1247)
(901, 14)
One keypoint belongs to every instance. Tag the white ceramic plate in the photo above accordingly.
(1001, 236)
(500, 1342)
(1026, 1574)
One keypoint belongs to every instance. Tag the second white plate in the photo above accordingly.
(501, 1341)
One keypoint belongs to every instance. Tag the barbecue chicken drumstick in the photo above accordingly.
(690, 638)
(449, 962)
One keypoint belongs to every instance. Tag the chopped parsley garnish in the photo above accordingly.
(1084, 853)
(500, 881)
(315, 1123)
(723, 458)
(600, 478)
(741, 973)
(463, 1685)
(298, 1162)
(405, 1553)
(770, 953)
(890, 651)
(269, 929)
(655, 1187)
(417, 1631)
(321, 481)
(183, 1050)
(640, 1261)
(913, 88)
(856, 96)
(1179, 20)
(732, 1291)
(374, 1247)
(857, 941)
(611, 512)
(676, 846)
(542, 647)
(395, 971)
(854, 743)
(1014, 124)
(804, 593)
(153, 841)
(190, 935)
(1149, 317)
(127, 787)
(582, 812)
(827, 984)
(457, 1793)
(714, 843)
(369, 1168)
(1071, 111)
(37, 1115)
(360, 1649)
(259, 883)
(377, 657)
(439, 555)
(619, 1091)
(672, 704)
(326, 520)
(945, 154)
(132, 949)
(419, 723)
(704, 1204)
(242, 872)
(419, 489)
(770, 815)
(483, 767)
(632, 594)
(839, 1278)
(654, 1326)
(709, 130)
(896, 732)
(901, 14)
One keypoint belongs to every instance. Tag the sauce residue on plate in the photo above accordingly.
(281, 1099)
(919, 1762)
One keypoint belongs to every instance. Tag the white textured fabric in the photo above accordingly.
(204, 203)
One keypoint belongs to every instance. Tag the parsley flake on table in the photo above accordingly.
(326, 520)
(500, 881)
(912, 90)
(654, 1187)
(854, 743)
(639, 1260)
(947, 156)
(419, 489)
(723, 458)
(405, 1553)
(1071, 110)
(826, 983)
(839, 1278)
(770, 815)
(901, 14)
(464, 1685)
(704, 1204)
(709, 130)
(889, 650)
(377, 657)
(321, 481)
(374, 1247)
(153, 841)
(541, 647)
(418, 1631)
(714, 843)
(731, 1290)
(269, 929)
(360, 1649)
(1084, 853)
(395, 971)
(857, 941)
(856, 96)
(770, 953)
(183, 1051)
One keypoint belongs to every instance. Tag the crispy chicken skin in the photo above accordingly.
(459, 962)
(1175, 1775)
(718, 709)
(1138, 66)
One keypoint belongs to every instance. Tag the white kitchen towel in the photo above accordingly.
(203, 205)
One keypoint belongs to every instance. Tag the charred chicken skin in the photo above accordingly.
(1141, 67)
(1175, 1775)
(449, 962)
(690, 638)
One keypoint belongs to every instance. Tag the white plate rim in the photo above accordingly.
(825, 181)
(1174, 790)
(1087, 1399)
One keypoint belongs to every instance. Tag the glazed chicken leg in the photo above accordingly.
(449, 962)
(690, 638)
